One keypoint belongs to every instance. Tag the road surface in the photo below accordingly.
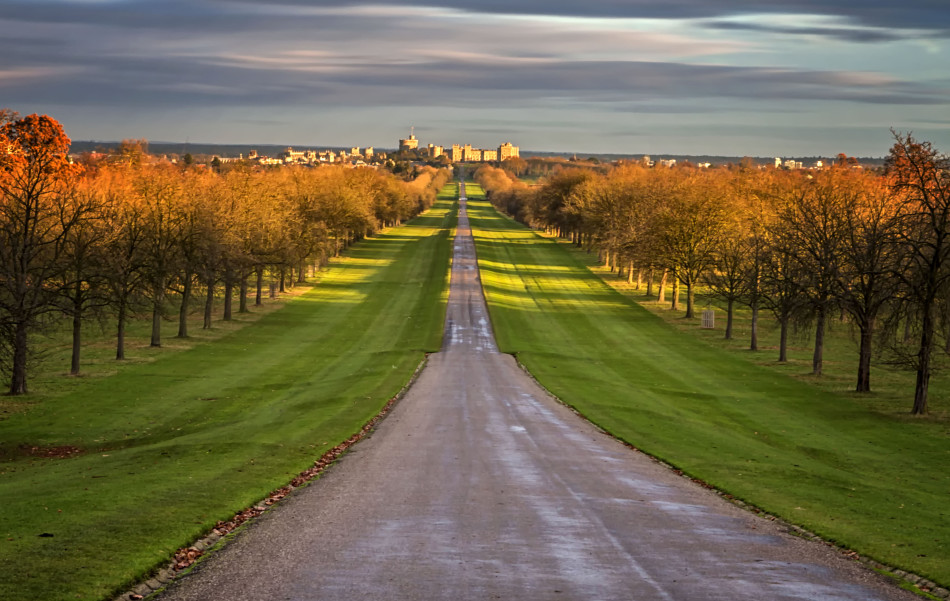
(480, 486)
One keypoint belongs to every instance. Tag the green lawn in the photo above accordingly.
(170, 446)
(867, 480)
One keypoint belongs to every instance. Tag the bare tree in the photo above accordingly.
(920, 178)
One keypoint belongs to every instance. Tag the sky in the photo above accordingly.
(720, 77)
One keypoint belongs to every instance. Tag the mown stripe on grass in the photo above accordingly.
(175, 445)
(817, 459)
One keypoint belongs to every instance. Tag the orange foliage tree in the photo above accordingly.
(36, 217)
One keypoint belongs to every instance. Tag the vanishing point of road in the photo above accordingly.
(479, 485)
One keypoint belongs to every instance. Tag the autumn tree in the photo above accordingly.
(690, 230)
(123, 257)
(919, 177)
(83, 285)
(550, 207)
(160, 191)
(811, 230)
(780, 288)
(37, 214)
(869, 257)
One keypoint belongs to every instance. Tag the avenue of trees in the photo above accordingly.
(806, 246)
(125, 236)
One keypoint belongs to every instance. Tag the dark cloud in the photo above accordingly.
(162, 81)
(847, 34)
(912, 14)
(250, 15)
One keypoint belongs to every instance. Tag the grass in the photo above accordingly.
(166, 448)
(862, 478)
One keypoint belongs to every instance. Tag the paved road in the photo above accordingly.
(480, 486)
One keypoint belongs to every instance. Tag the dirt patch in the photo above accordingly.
(54, 452)
(8, 407)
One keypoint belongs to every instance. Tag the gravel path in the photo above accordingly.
(480, 486)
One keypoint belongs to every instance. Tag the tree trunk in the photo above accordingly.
(817, 356)
(924, 357)
(183, 310)
(650, 283)
(639, 278)
(302, 273)
(864, 357)
(259, 296)
(754, 336)
(77, 342)
(630, 271)
(18, 373)
(730, 309)
(242, 300)
(783, 341)
(77, 330)
(690, 300)
(156, 322)
(209, 306)
(283, 279)
(661, 295)
(228, 297)
(675, 304)
(120, 332)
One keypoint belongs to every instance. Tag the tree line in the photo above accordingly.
(126, 236)
(803, 245)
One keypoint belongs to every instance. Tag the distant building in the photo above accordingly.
(507, 151)
(435, 151)
(292, 156)
(410, 143)
(369, 152)
(489, 155)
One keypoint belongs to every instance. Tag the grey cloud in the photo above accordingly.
(860, 35)
(913, 14)
(246, 15)
(163, 81)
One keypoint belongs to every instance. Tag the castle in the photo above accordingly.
(460, 154)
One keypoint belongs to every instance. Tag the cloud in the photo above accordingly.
(595, 61)
(912, 14)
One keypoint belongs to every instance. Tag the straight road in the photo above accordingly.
(480, 486)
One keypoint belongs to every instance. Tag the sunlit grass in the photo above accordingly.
(875, 482)
(169, 445)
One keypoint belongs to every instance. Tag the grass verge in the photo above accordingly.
(819, 459)
(160, 451)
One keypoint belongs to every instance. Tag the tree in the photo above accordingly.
(83, 285)
(919, 176)
(811, 230)
(123, 257)
(869, 258)
(36, 216)
(690, 230)
(781, 282)
(160, 191)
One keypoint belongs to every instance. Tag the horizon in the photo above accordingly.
(528, 151)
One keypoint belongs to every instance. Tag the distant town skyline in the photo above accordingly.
(682, 77)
